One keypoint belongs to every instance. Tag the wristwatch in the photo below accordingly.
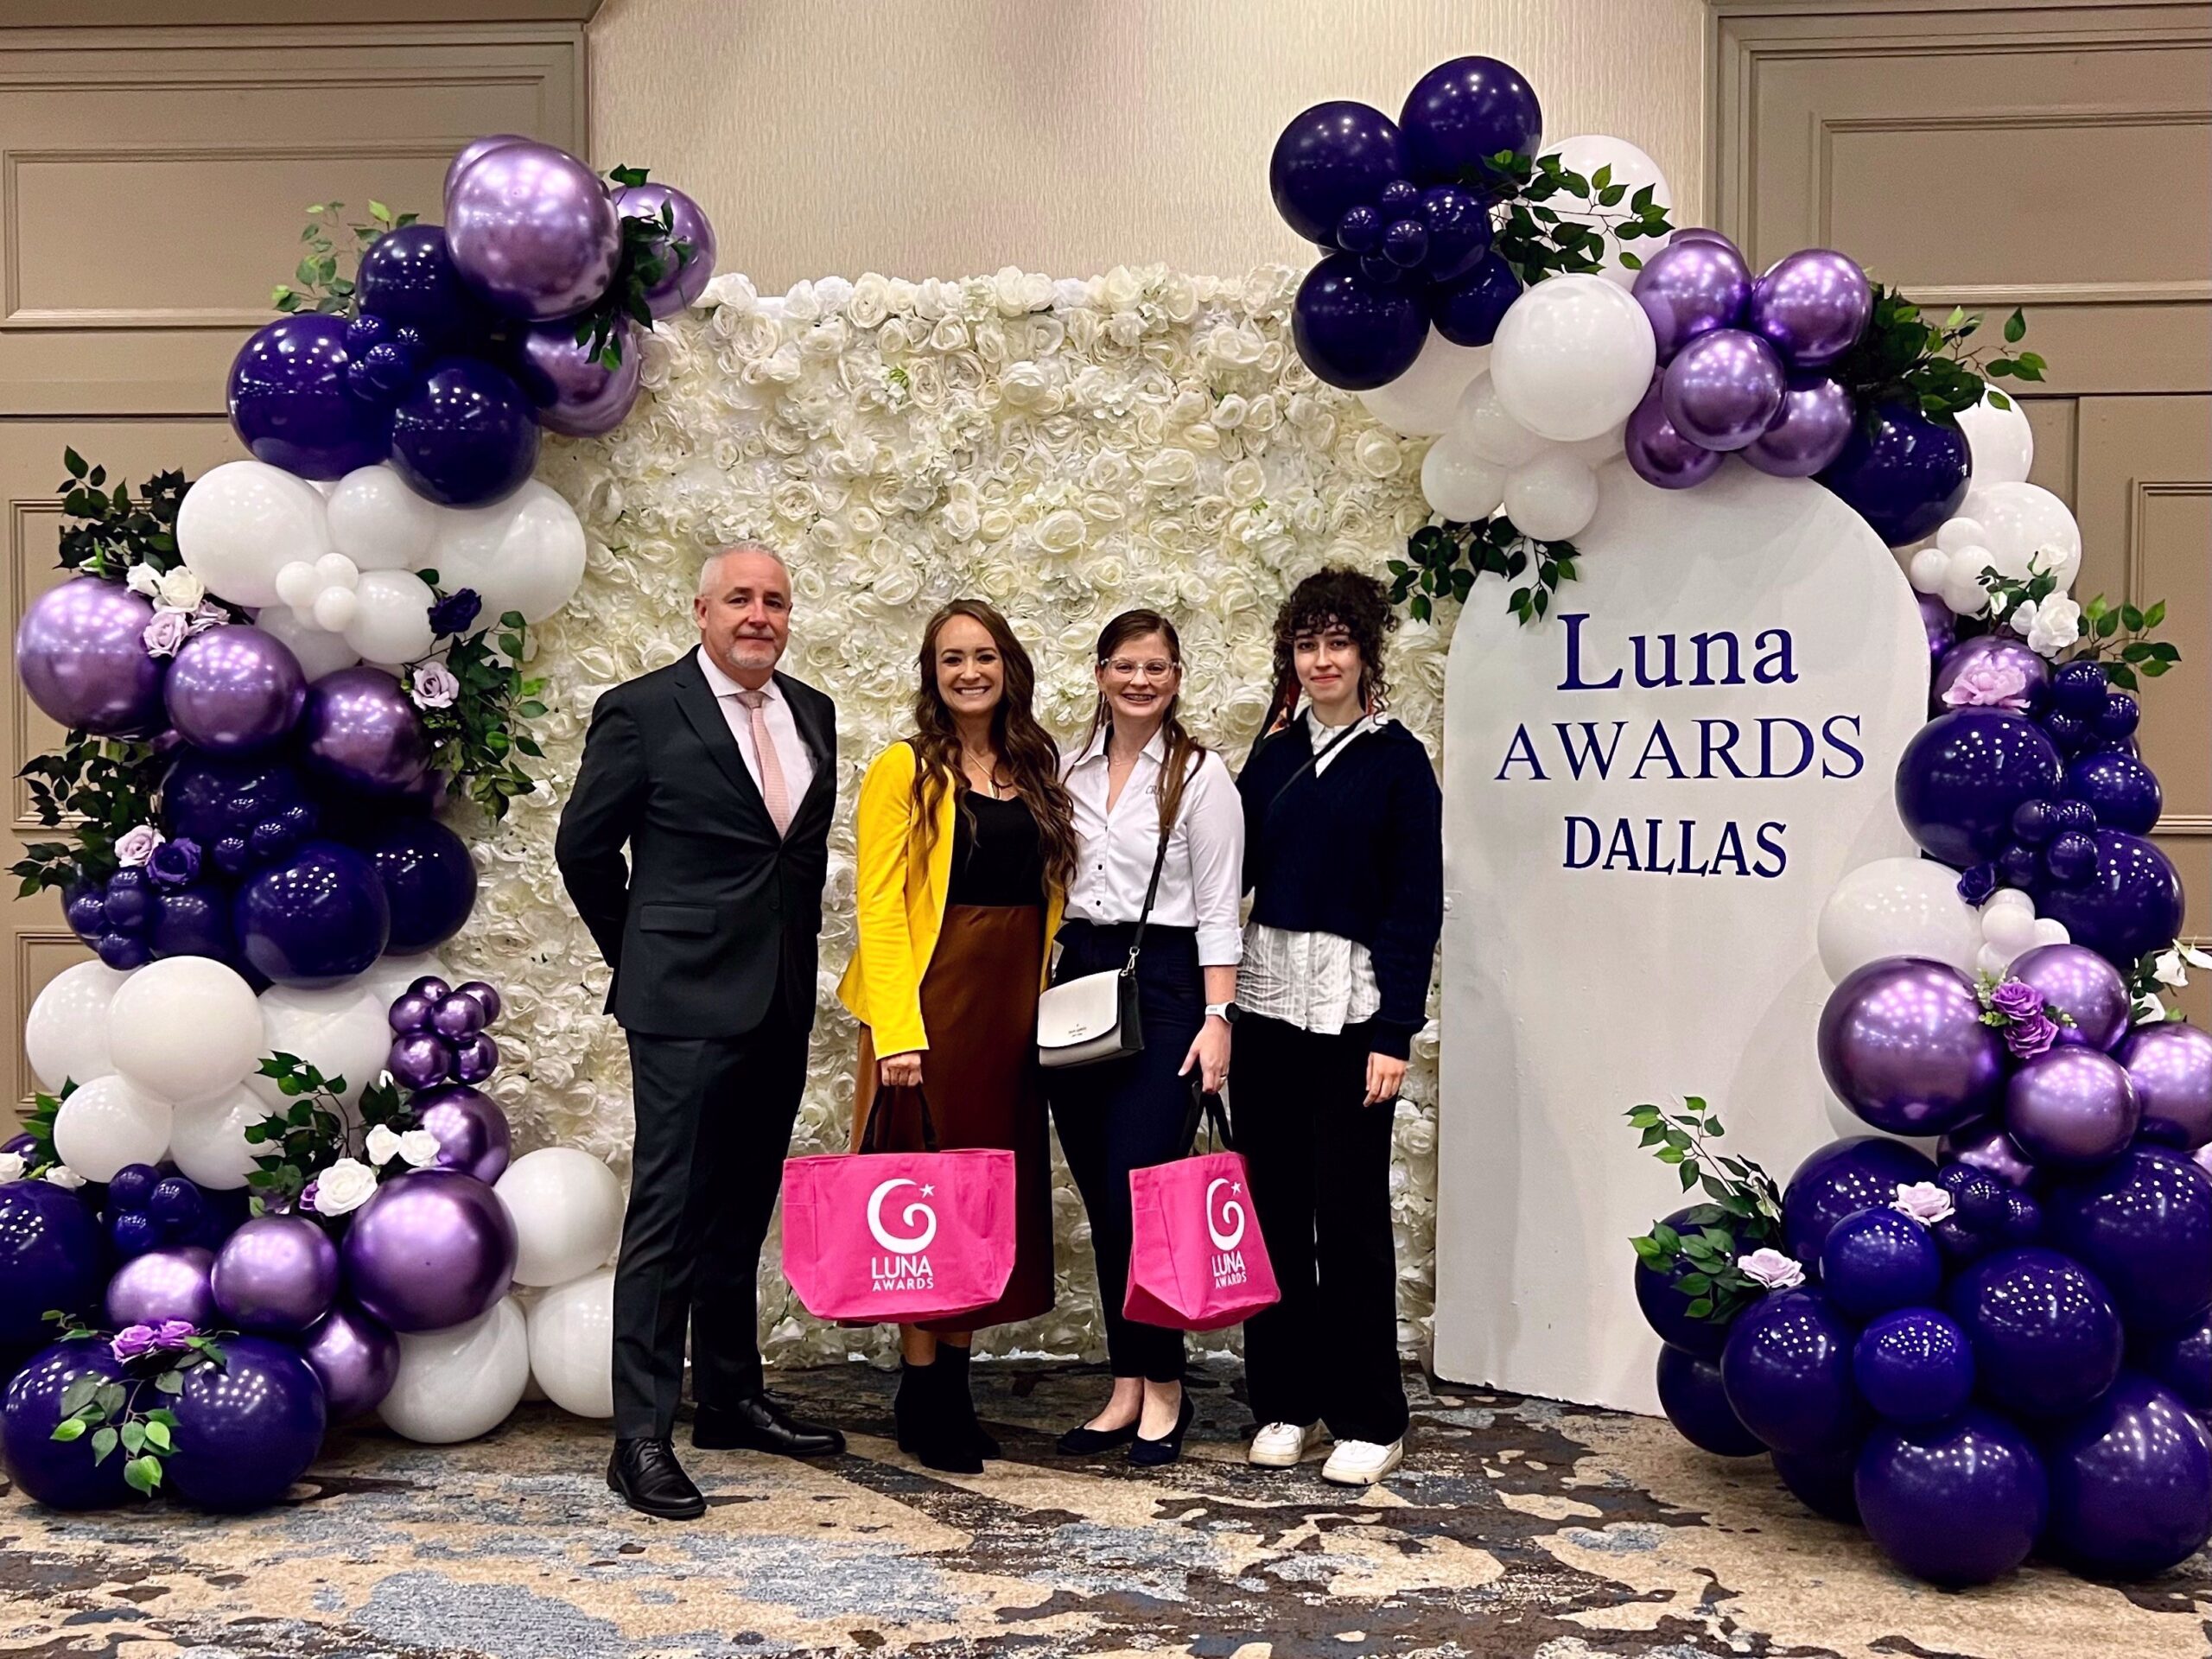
(1228, 1013)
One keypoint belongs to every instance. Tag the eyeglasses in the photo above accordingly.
(1122, 668)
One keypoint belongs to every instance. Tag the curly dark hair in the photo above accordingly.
(1334, 597)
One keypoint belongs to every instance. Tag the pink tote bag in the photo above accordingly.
(1196, 1261)
(871, 1237)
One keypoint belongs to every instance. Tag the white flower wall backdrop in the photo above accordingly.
(1067, 449)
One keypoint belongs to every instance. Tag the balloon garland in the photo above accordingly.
(264, 1191)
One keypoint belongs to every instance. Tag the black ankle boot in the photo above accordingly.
(953, 1362)
(929, 1425)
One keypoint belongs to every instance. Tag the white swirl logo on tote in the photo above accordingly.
(920, 1240)
(1230, 1233)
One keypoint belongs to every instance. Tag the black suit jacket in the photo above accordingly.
(712, 910)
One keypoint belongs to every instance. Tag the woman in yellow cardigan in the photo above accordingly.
(966, 845)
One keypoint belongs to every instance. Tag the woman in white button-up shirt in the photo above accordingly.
(1138, 774)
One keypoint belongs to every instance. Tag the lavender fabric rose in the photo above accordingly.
(454, 613)
(1924, 1201)
(1772, 1268)
(1988, 682)
(132, 1342)
(434, 686)
(2016, 999)
(2031, 1036)
(1977, 882)
(174, 863)
(134, 846)
(169, 630)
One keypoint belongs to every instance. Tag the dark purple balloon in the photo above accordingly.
(2000, 650)
(2081, 983)
(1879, 1259)
(458, 1018)
(2047, 1339)
(467, 435)
(232, 691)
(420, 1059)
(1822, 1481)
(2143, 1224)
(52, 1255)
(1692, 288)
(468, 153)
(1691, 1394)
(576, 395)
(163, 1284)
(1787, 1371)
(1913, 1365)
(318, 917)
(1902, 1045)
(361, 729)
(246, 1432)
(407, 277)
(1811, 306)
(2131, 907)
(355, 1358)
(1467, 312)
(2171, 1066)
(1963, 775)
(1956, 1502)
(193, 921)
(471, 1131)
(427, 877)
(207, 797)
(2123, 791)
(1463, 112)
(1458, 223)
(290, 404)
(1329, 158)
(2182, 1359)
(1723, 389)
(1985, 1146)
(276, 1275)
(1658, 454)
(1665, 1308)
(685, 272)
(1901, 471)
(1810, 432)
(475, 1058)
(2073, 1108)
(59, 1474)
(533, 231)
(82, 652)
(1842, 1177)
(2131, 1483)
(488, 997)
(1352, 331)
(430, 1249)
(1940, 622)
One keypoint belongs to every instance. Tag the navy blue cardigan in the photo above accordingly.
(1357, 851)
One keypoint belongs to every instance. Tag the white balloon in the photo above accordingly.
(1993, 960)
(111, 1122)
(2005, 898)
(388, 976)
(2020, 520)
(1461, 485)
(525, 553)
(391, 616)
(64, 1037)
(1962, 589)
(566, 1208)
(2010, 930)
(1486, 430)
(298, 584)
(1573, 356)
(572, 1344)
(2000, 441)
(1553, 497)
(242, 522)
(320, 652)
(340, 1030)
(208, 1138)
(380, 523)
(334, 609)
(1897, 907)
(2048, 930)
(185, 1028)
(461, 1382)
(1631, 168)
(1606, 447)
(1928, 570)
(1421, 401)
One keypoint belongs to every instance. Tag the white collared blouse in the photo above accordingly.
(1201, 884)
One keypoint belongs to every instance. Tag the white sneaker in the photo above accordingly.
(1362, 1463)
(1279, 1446)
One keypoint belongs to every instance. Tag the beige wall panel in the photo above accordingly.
(1070, 135)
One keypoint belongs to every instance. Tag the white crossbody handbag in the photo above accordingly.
(1094, 1018)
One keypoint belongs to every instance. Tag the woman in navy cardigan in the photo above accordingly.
(1344, 858)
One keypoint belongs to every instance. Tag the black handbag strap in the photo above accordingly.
(1151, 892)
(872, 1141)
(1312, 763)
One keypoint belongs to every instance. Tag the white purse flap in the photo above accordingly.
(1080, 1012)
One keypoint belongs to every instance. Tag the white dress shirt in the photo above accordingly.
(783, 730)
(1201, 884)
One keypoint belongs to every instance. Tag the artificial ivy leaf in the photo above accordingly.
(69, 1428)
(144, 1473)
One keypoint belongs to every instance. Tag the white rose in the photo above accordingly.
(419, 1147)
(62, 1176)
(1060, 531)
(146, 582)
(183, 590)
(12, 1166)
(2150, 1010)
(343, 1187)
(383, 1145)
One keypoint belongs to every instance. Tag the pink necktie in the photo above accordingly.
(772, 769)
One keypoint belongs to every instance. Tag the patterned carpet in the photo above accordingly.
(1518, 1527)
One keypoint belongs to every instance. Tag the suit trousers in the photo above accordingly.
(1320, 1166)
(714, 1125)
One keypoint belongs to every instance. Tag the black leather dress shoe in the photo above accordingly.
(758, 1424)
(646, 1476)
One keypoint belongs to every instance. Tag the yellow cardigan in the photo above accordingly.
(899, 899)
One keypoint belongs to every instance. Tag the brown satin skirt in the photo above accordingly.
(979, 1005)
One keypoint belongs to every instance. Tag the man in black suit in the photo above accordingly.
(719, 775)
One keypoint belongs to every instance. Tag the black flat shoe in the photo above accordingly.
(645, 1475)
(960, 1393)
(929, 1422)
(1150, 1454)
(1089, 1442)
(758, 1424)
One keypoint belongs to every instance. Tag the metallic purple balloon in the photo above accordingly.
(355, 1357)
(1724, 389)
(1810, 432)
(531, 229)
(683, 276)
(1659, 453)
(471, 1129)
(359, 729)
(1811, 306)
(1902, 1045)
(235, 690)
(2081, 983)
(487, 996)
(1997, 648)
(2073, 1107)
(81, 650)
(471, 151)
(411, 1013)
(430, 1249)
(276, 1275)
(1984, 1144)
(1690, 288)
(2171, 1066)
(575, 395)
(1941, 623)
(1697, 234)
(457, 1018)
(420, 1059)
(290, 403)
(165, 1284)
(475, 1058)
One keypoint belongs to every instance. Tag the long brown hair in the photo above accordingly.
(1025, 747)
(1183, 749)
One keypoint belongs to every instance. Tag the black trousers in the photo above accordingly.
(1125, 1114)
(715, 1118)
(1320, 1163)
